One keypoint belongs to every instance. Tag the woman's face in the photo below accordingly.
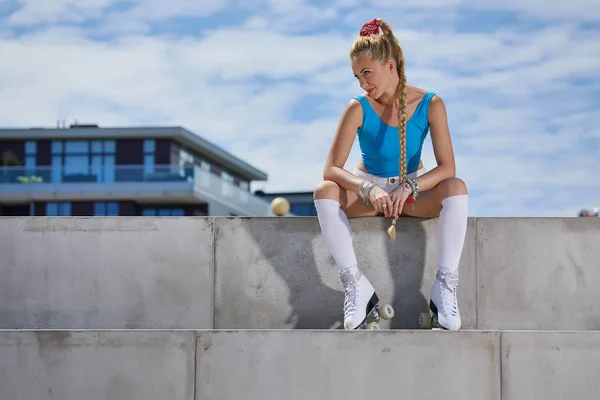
(374, 77)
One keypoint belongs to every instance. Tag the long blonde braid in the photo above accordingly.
(396, 51)
(382, 48)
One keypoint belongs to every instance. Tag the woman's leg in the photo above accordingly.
(449, 201)
(334, 206)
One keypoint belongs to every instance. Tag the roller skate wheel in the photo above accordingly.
(372, 326)
(373, 316)
(425, 320)
(387, 312)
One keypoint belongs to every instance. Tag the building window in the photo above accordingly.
(57, 147)
(57, 172)
(102, 163)
(30, 156)
(149, 156)
(58, 209)
(76, 146)
(186, 164)
(163, 212)
(226, 184)
(83, 160)
(106, 208)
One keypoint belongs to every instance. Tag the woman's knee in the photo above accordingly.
(327, 190)
(453, 187)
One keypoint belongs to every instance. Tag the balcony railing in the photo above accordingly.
(209, 185)
(206, 185)
(95, 174)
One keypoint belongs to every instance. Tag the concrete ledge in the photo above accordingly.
(550, 365)
(106, 273)
(276, 273)
(538, 273)
(277, 364)
(97, 365)
(299, 364)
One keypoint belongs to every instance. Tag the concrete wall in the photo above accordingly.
(538, 273)
(268, 273)
(516, 273)
(97, 365)
(298, 364)
(278, 273)
(96, 273)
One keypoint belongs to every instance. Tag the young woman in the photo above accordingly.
(391, 120)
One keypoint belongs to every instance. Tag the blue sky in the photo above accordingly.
(267, 80)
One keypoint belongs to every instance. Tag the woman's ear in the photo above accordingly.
(391, 66)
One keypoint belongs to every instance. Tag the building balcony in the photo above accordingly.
(129, 182)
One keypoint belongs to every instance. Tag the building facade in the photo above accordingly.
(85, 170)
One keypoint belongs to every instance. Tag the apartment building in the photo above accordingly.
(87, 170)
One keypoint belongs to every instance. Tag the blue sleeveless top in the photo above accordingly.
(380, 143)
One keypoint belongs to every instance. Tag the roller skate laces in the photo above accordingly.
(351, 289)
(444, 293)
(360, 300)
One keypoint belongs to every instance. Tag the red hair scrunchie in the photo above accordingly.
(370, 28)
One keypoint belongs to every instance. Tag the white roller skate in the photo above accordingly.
(443, 304)
(361, 303)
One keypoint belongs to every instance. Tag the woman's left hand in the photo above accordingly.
(398, 197)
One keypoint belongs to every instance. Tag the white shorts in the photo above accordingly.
(387, 184)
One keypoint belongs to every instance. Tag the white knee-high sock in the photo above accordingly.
(451, 231)
(337, 233)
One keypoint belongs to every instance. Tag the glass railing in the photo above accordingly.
(209, 186)
(225, 192)
(96, 174)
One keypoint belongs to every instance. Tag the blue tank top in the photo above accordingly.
(380, 143)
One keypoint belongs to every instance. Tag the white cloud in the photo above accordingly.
(142, 13)
(116, 16)
(33, 12)
(520, 127)
(580, 10)
(172, 80)
(292, 15)
(236, 54)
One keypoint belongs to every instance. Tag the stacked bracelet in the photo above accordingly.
(415, 190)
(365, 189)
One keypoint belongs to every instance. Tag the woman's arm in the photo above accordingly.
(350, 122)
(442, 147)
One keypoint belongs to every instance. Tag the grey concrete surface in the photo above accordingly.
(550, 365)
(538, 273)
(278, 273)
(105, 365)
(268, 273)
(300, 364)
(94, 273)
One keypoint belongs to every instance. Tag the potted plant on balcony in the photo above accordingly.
(9, 160)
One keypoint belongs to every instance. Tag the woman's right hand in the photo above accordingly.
(381, 201)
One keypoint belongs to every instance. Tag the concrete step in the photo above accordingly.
(276, 273)
(298, 364)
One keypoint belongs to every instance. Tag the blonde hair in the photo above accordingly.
(382, 48)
